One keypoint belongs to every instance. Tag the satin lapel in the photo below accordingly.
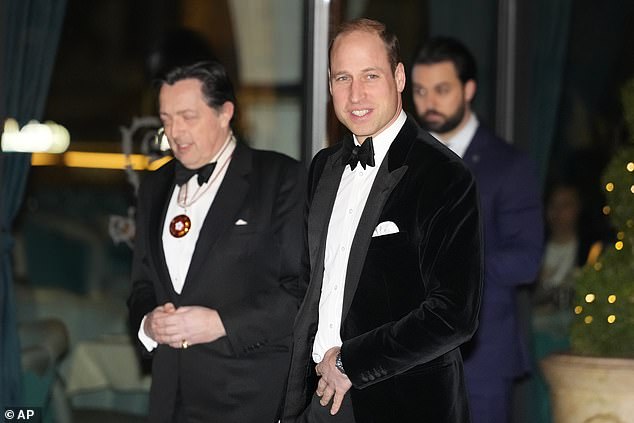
(221, 216)
(321, 209)
(383, 185)
(160, 199)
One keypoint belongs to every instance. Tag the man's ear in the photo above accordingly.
(470, 88)
(399, 76)
(226, 113)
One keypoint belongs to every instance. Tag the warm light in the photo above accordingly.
(97, 160)
(590, 298)
(612, 299)
(611, 318)
(609, 187)
(587, 320)
(620, 235)
(34, 137)
(630, 167)
(632, 189)
(593, 255)
(578, 309)
(618, 245)
(45, 159)
(606, 210)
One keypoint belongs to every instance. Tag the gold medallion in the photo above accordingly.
(179, 226)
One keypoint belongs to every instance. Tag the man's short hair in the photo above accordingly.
(443, 49)
(216, 85)
(374, 27)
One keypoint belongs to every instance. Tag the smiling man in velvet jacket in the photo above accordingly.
(394, 252)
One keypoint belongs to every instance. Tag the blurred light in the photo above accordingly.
(611, 318)
(606, 210)
(630, 167)
(609, 187)
(621, 235)
(34, 137)
(45, 159)
(590, 298)
(578, 309)
(594, 253)
(587, 320)
(98, 160)
(612, 299)
(618, 245)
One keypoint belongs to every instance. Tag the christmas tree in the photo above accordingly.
(603, 323)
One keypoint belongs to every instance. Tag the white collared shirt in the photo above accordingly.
(352, 195)
(460, 142)
(179, 251)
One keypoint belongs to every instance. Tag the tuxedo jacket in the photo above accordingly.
(513, 235)
(248, 272)
(411, 297)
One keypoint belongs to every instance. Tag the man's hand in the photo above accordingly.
(192, 324)
(333, 384)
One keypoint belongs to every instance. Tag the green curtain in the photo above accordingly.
(552, 30)
(30, 31)
(474, 24)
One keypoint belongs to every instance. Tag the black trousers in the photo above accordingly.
(317, 413)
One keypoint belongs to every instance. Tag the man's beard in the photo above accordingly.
(445, 126)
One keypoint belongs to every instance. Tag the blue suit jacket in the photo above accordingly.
(511, 214)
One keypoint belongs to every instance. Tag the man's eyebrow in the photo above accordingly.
(371, 69)
(364, 70)
(177, 112)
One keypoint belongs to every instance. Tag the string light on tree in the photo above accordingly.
(603, 322)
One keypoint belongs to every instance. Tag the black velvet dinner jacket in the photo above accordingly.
(411, 298)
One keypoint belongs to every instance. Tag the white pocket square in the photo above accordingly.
(385, 228)
(240, 222)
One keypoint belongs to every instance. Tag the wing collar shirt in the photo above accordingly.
(179, 251)
(352, 195)
(460, 142)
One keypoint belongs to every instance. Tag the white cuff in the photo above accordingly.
(148, 342)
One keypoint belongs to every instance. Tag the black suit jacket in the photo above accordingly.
(411, 298)
(249, 273)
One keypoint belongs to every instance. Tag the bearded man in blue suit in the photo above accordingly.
(443, 86)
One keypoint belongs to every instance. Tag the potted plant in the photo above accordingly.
(595, 381)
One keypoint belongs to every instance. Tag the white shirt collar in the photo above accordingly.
(383, 141)
(460, 142)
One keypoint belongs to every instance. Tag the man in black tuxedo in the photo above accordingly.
(395, 256)
(216, 261)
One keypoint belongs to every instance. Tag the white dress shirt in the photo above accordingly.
(460, 142)
(179, 251)
(349, 204)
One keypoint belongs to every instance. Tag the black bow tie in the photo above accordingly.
(184, 174)
(363, 154)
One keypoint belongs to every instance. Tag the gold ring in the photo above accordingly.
(184, 344)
